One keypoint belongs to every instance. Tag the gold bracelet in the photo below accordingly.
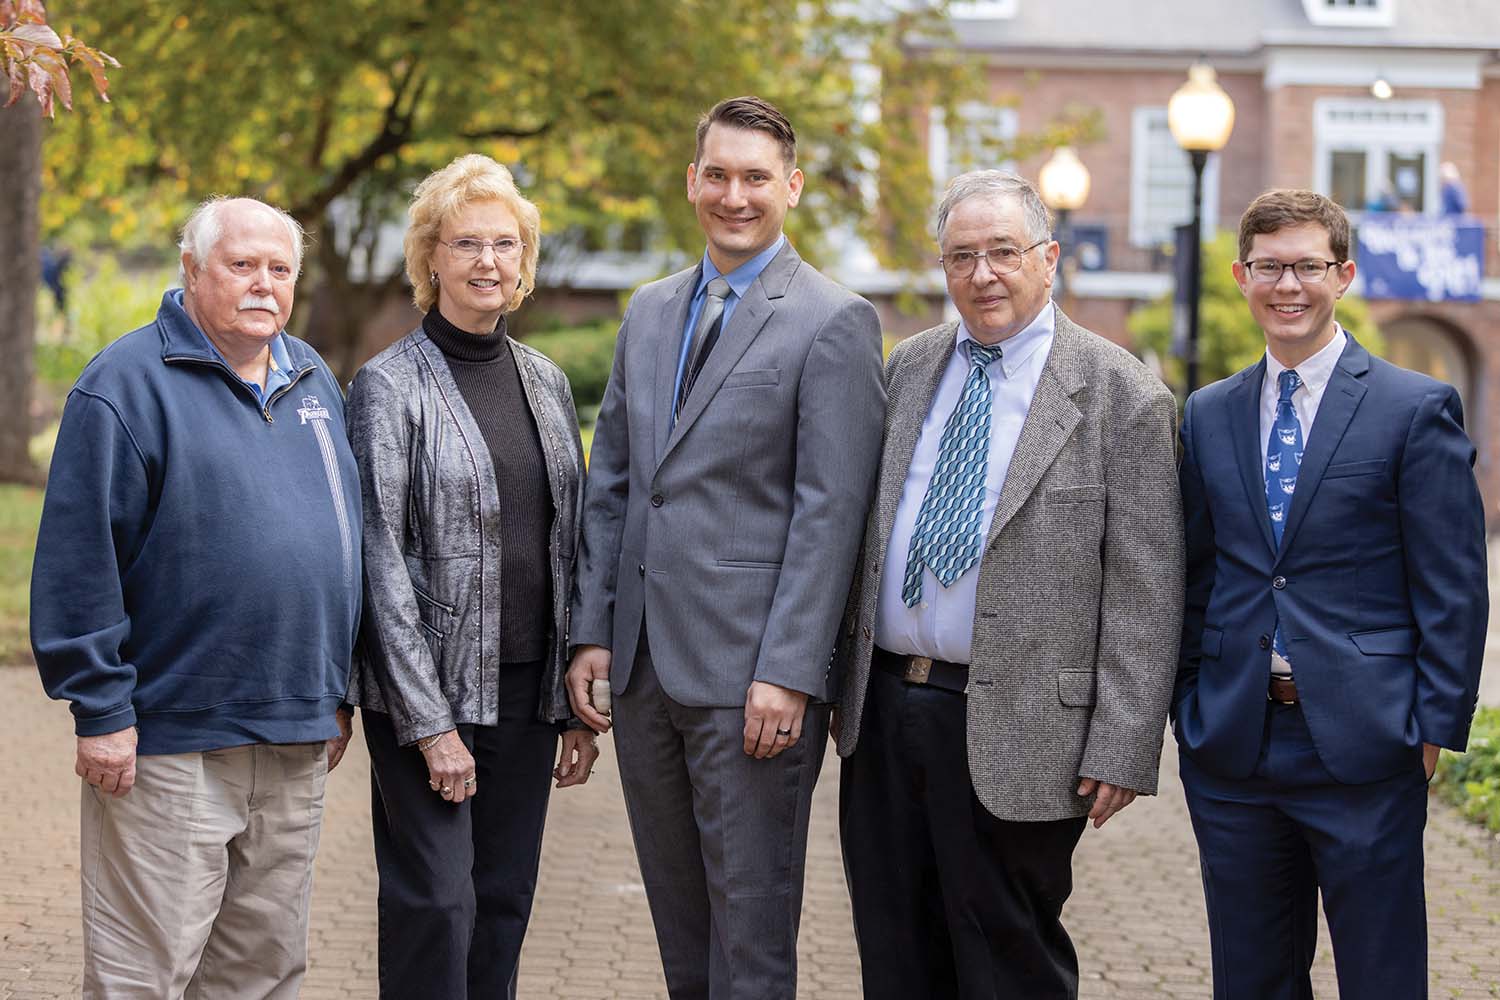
(428, 742)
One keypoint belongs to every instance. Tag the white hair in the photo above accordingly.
(201, 232)
(998, 184)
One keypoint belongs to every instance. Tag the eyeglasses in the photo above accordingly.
(1308, 272)
(505, 249)
(1002, 260)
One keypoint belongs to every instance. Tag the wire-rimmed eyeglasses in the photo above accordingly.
(466, 249)
(1002, 260)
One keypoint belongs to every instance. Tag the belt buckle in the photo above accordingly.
(917, 669)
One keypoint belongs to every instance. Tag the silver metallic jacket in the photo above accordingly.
(429, 642)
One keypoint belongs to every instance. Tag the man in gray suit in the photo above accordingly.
(1011, 637)
(731, 472)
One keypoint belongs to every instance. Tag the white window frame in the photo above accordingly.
(939, 140)
(1337, 14)
(1408, 128)
(1144, 231)
(983, 10)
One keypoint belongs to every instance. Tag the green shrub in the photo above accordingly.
(586, 353)
(1471, 781)
(102, 304)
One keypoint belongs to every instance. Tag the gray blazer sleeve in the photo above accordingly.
(840, 414)
(605, 497)
(1140, 614)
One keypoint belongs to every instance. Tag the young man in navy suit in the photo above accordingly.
(1334, 628)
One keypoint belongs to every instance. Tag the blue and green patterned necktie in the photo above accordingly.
(1283, 462)
(946, 537)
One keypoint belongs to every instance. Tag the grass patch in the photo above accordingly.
(1471, 781)
(20, 511)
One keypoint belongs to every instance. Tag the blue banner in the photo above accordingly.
(1426, 258)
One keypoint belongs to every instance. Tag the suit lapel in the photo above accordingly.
(1048, 425)
(673, 320)
(1340, 400)
(1249, 449)
(750, 317)
(907, 402)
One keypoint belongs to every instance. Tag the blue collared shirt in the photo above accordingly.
(942, 624)
(740, 280)
(277, 371)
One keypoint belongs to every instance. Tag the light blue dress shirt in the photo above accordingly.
(740, 280)
(942, 624)
(277, 372)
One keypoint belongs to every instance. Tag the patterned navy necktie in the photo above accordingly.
(946, 537)
(1283, 462)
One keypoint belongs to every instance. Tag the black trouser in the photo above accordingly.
(949, 902)
(456, 881)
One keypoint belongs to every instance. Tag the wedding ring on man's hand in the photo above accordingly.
(783, 732)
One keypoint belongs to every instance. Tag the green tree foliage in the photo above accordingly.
(1228, 337)
(592, 103)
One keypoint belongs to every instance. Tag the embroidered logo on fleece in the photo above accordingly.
(313, 410)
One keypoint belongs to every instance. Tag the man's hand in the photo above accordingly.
(108, 761)
(575, 762)
(1430, 752)
(450, 768)
(773, 719)
(589, 663)
(340, 743)
(1110, 800)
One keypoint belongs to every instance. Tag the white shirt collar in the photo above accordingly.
(1316, 370)
(1016, 350)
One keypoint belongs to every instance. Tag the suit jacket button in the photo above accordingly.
(1265, 642)
(1279, 583)
(641, 569)
(657, 500)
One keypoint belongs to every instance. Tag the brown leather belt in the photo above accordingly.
(1282, 690)
(923, 670)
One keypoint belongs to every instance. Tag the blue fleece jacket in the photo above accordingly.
(197, 568)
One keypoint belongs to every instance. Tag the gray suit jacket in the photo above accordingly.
(732, 534)
(1080, 584)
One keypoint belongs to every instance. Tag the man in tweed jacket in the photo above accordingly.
(1009, 645)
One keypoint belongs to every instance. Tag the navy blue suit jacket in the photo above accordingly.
(1379, 582)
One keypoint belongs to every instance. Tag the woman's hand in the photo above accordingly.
(450, 768)
(576, 760)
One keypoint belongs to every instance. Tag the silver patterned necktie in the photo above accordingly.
(703, 338)
(946, 536)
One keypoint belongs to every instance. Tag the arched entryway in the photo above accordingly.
(1424, 344)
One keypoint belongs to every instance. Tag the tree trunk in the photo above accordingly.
(20, 273)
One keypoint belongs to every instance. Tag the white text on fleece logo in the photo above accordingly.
(312, 410)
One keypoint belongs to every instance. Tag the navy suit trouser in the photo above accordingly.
(1270, 842)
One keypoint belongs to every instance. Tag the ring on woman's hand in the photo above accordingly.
(783, 732)
(432, 785)
(446, 790)
(470, 780)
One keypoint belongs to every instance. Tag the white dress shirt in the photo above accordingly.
(1314, 373)
(942, 624)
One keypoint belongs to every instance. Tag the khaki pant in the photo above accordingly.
(196, 883)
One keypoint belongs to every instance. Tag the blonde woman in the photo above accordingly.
(470, 468)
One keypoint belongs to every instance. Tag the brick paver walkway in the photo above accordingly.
(1136, 912)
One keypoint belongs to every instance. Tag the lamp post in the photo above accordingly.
(1201, 116)
(1064, 183)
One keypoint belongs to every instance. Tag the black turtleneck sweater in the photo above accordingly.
(484, 367)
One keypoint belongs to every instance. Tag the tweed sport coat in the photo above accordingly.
(1080, 583)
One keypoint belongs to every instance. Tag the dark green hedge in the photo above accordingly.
(585, 353)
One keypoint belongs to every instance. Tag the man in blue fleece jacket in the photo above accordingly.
(195, 597)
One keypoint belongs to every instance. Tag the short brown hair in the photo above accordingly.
(1285, 207)
(752, 113)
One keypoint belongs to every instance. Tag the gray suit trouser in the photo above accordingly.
(721, 838)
